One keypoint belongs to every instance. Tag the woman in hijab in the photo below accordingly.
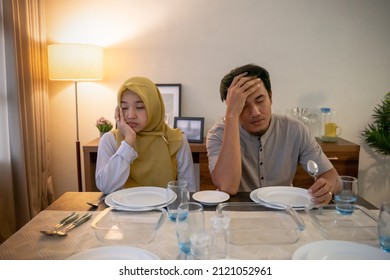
(143, 150)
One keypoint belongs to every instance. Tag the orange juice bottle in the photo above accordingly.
(328, 123)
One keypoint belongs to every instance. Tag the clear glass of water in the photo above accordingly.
(345, 200)
(384, 226)
(190, 219)
(182, 195)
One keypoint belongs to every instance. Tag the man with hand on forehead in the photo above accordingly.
(253, 148)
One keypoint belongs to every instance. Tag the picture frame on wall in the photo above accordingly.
(192, 127)
(171, 94)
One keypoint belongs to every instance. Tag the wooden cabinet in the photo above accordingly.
(90, 157)
(199, 155)
(343, 154)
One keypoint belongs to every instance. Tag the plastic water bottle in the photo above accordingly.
(220, 236)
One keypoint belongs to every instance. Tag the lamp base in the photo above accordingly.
(78, 157)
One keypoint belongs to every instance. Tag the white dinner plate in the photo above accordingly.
(210, 197)
(339, 250)
(142, 196)
(110, 202)
(295, 197)
(114, 253)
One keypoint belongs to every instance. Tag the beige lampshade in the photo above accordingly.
(75, 62)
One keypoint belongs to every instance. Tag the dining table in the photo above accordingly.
(28, 243)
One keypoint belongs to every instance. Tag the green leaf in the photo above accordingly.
(377, 134)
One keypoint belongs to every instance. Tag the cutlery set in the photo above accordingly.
(72, 220)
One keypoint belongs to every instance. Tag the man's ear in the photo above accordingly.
(270, 95)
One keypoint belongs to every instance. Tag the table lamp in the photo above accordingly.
(75, 62)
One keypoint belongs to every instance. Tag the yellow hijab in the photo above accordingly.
(156, 145)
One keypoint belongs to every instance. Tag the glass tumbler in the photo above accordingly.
(384, 226)
(345, 199)
(180, 189)
(190, 219)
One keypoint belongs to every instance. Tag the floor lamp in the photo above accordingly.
(75, 62)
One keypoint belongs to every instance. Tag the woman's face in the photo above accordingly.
(134, 111)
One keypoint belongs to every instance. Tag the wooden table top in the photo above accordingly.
(77, 201)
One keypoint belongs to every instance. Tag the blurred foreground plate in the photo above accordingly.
(339, 250)
(114, 253)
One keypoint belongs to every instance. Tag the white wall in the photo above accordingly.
(318, 52)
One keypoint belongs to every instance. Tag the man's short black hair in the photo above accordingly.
(252, 70)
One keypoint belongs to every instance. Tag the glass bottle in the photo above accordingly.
(220, 236)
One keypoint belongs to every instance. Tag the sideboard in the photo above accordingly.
(343, 154)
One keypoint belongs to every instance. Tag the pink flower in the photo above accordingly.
(103, 124)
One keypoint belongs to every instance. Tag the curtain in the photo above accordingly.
(27, 103)
(7, 217)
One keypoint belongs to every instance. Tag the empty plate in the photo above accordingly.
(210, 197)
(339, 250)
(294, 197)
(140, 198)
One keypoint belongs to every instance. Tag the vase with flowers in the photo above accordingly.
(103, 125)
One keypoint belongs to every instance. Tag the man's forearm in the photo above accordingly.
(227, 171)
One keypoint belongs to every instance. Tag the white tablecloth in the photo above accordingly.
(28, 243)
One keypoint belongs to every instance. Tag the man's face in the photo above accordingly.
(256, 114)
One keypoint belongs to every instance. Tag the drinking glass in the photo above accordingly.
(384, 226)
(190, 219)
(345, 199)
(182, 195)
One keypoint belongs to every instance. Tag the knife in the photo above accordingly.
(70, 218)
(79, 221)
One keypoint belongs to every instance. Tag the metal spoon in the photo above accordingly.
(64, 231)
(312, 168)
(96, 204)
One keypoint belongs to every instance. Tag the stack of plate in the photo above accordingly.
(140, 198)
(297, 198)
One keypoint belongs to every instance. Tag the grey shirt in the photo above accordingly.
(271, 160)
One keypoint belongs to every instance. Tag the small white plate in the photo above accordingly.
(210, 197)
(339, 250)
(294, 197)
(114, 253)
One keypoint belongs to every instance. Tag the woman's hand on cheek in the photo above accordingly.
(124, 128)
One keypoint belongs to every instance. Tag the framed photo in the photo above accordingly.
(191, 127)
(171, 94)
